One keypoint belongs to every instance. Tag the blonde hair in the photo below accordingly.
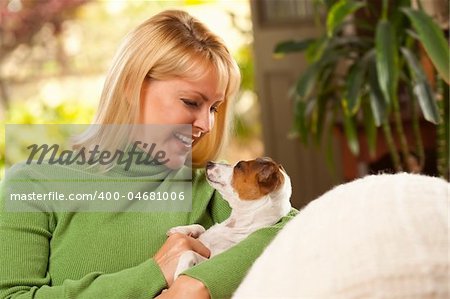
(171, 44)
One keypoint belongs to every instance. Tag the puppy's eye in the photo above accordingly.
(239, 165)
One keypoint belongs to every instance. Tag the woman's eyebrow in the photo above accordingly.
(203, 96)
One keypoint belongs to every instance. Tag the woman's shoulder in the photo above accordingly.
(39, 171)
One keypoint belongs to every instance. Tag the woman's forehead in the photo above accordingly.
(218, 71)
(206, 87)
(209, 76)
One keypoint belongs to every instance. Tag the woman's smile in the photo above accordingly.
(185, 140)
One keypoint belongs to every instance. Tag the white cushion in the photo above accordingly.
(383, 236)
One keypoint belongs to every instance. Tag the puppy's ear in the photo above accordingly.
(265, 172)
(269, 178)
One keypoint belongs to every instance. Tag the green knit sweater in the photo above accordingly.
(109, 254)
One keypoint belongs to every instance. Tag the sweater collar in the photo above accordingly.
(139, 165)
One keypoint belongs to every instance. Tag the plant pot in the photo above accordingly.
(379, 161)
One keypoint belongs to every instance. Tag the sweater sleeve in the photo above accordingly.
(24, 258)
(223, 273)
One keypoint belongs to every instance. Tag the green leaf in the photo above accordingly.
(328, 3)
(433, 40)
(338, 12)
(291, 46)
(330, 148)
(387, 59)
(399, 20)
(352, 43)
(370, 128)
(299, 126)
(307, 81)
(318, 117)
(422, 89)
(316, 49)
(351, 134)
(377, 101)
(354, 85)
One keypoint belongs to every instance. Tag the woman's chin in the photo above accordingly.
(178, 153)
(176, 162)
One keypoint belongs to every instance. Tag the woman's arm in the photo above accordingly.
(24, 258)
(186, 287)
(25, 254)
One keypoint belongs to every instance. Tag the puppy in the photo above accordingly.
(258, 192)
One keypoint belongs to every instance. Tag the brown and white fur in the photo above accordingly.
(258, 192)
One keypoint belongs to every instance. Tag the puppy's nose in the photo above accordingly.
(209, 165)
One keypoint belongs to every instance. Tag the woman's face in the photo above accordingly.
(180, 102)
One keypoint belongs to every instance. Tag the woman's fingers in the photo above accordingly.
(169, 254)
(182, 243)
(199, 247)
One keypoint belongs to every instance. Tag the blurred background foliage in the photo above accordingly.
(54, 55)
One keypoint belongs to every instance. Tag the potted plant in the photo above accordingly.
(364, 71)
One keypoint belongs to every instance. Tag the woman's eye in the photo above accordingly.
(190, 103)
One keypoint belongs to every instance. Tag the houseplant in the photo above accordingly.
(361, 75)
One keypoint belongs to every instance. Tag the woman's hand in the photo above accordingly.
(186, 287)
(168, 255)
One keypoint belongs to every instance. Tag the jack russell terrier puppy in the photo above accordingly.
(258, 192)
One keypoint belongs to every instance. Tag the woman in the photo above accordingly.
(170, 70)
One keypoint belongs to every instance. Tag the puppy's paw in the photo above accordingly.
(187, 260)
(194, 230)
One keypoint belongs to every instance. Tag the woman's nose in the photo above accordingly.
(204, 121)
